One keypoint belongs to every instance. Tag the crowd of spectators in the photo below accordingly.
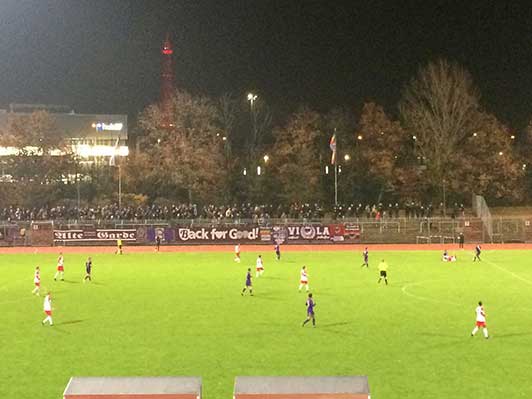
(163, 212)
(409, 209)
(378, 211)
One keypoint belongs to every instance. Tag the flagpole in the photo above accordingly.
(119, 186)
(335, 183)
(332, 146)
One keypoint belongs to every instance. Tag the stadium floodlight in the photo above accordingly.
(512, 137)
(359, 137)
(475, 134)
(500, 152)
(252, 98)
(347, 157)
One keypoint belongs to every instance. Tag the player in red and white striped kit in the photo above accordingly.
(481, 320)
(47, 306)
(37, 281)
(60, 268)
(303, 280)
(259, 267)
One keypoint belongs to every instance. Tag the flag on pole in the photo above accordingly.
(112, 160)
(332, 146)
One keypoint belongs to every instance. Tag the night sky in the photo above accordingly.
(103, 55)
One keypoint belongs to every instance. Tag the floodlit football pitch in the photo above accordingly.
(158, 314)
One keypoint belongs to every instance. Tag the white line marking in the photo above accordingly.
(509, 272)
(422, 298)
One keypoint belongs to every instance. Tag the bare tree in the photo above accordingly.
(227, 113)
(261, 124)
(440, 108)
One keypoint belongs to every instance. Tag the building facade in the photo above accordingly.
(92, 138)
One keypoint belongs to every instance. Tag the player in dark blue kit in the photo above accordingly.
(366, 257)
(278, 251)
(310, 304)
(88, 269)
(249, 285)
(477, 253)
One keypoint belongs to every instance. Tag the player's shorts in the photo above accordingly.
(48, 312)
(383, 273)
(249, 285)
(259, 269)
(310, 313)
(60, 268)
(481, 324)
(120, 247)
(88, 271)
(303, 282)
(37, 284)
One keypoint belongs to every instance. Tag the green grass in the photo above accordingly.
(182, 314)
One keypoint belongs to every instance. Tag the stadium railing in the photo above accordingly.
(348, 230)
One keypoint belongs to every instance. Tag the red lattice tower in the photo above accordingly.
(167, 79)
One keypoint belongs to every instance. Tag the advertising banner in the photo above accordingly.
(91, 236)
(338, 232)
(218, 234)
(166, 234)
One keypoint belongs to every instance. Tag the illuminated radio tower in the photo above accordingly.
(167, 80)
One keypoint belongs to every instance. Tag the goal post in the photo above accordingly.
(41, 234)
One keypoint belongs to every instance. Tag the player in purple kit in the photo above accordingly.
(365, 254)
(278, 251)
(310, 304)
(249, 285)
(477, 253)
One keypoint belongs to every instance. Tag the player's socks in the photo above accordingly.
(474, 331)
(305, 322)
(386, 281)
(485, 331)
(314, 322)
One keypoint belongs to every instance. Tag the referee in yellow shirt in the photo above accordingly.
(119, 246)
(383, 268)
